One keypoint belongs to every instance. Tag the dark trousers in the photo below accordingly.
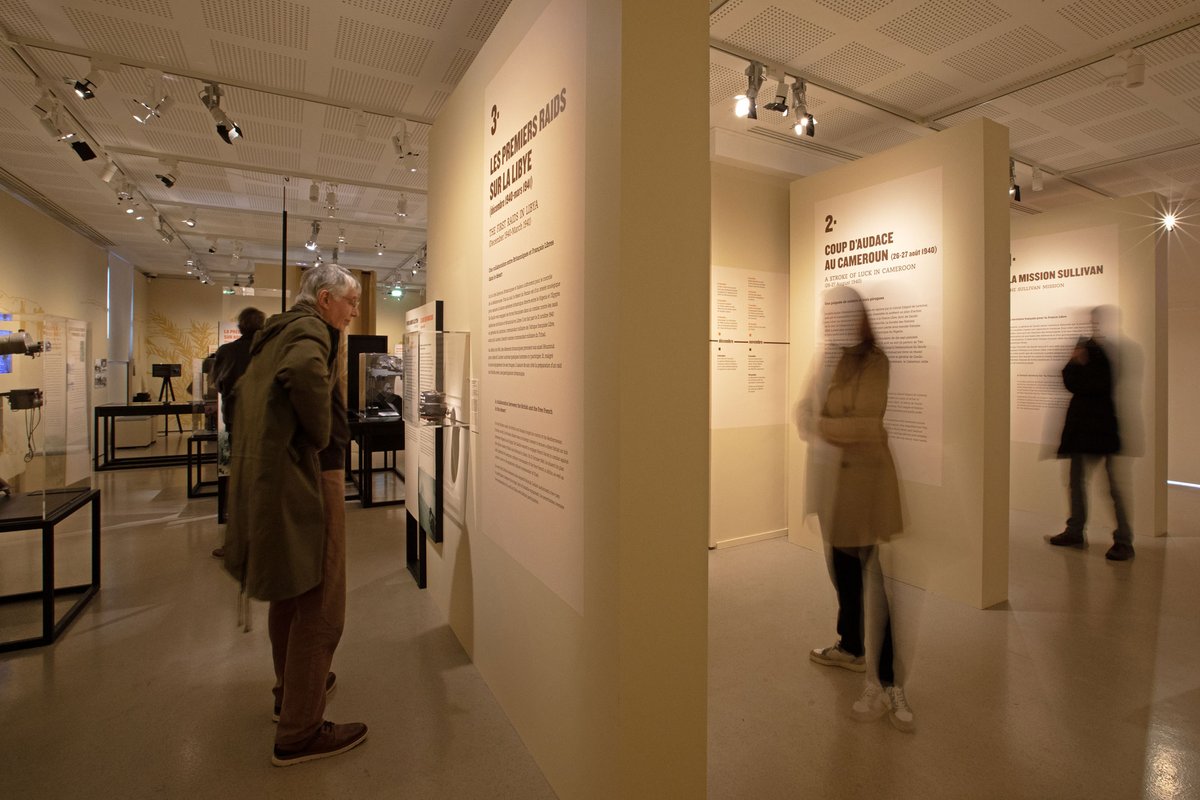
(305, 630)
(1080, 465)
(847, 565)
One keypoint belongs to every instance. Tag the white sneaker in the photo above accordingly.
(835, 656)
(871, 704)
(901, 715)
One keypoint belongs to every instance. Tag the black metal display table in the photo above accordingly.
(24, 512)
(106, 414)
(197, 486)
(376, 435)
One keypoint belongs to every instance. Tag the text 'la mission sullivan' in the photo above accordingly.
(1074, 272)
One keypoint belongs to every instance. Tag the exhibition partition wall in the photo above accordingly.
(1110, 254)
(922, 232)
(748, 349)
(569, 235)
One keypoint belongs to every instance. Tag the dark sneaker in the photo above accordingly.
(1068, 539)
(330, 683)
(835, 656)
(1120, 551)
(329, 740)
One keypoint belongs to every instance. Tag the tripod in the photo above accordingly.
(166, 394)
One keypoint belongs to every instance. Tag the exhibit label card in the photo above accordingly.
(1055, 282)
(748, 348)
(531, 390)
(885, 241)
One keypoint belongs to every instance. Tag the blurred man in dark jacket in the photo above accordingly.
(1090, 433)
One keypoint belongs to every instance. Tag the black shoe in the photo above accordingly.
(329, 740)
(1068, 539)
(1120, 551)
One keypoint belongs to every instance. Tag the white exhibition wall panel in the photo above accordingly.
(575, 575)
(1108, 254)
(531, 388)
(748, 352)
(921, 232)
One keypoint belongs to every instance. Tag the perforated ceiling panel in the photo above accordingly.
(349, 147)
(856, 10)
(1047, 150)
(167, 141)
(490, 12)
(19, 19)
(458, 66)
(1004, 55)
(779, 35)
(1157, 141)
(917, 91)
(276, 22)
(1182, 80)
(387, 49)
(1100, 18)
(853, 66)
(724, 83)
(256, 65)
(1020, 130)
(724, 11)
(430, 13)
(110, 34)
(1095, 106)
(1185, 44)
(1062, 86)
(158, 8)
(436, 101)
(351, 170)
(974, 112)
(358, 88)
(270, 157)
(267, 106)
(343, 121)
(1125, 126)
(882, 139)
(937, 24)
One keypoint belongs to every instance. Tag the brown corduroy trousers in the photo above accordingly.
(305, 630)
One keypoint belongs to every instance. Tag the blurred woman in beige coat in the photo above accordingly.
(860, 507)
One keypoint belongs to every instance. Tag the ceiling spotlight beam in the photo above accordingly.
(209, 77)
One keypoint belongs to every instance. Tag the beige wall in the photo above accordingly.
(748, 472)
(1039, 483)
(956, 536)
(1183, 367)
(45, 269)
(611, 702)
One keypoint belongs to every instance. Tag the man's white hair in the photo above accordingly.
(338, 280)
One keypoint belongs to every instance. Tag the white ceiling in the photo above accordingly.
(294, 72)
(883, 72)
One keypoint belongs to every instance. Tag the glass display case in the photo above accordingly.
(437, 392)
(380, 384)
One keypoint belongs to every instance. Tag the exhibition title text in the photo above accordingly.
(513, 162)
(1074, 272)
(858, 251)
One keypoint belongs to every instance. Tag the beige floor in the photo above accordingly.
(1083, 686)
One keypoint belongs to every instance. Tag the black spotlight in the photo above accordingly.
(229, 131)
(83, 150)
(85, 89)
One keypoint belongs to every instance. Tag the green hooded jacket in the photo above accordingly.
(275, 538)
